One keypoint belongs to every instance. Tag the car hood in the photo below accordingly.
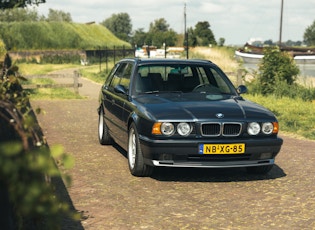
(199, 107)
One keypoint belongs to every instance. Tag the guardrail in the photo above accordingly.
(75, 85)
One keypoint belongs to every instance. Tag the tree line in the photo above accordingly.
(160, 33)
(120, 25)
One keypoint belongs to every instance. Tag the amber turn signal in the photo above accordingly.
(156, 129)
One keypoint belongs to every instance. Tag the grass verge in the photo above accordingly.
(46, 93)
(95, 73)
(295, 116)
(50, 93)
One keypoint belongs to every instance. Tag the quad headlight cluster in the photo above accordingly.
(184, 128)
(169, 129)
(267, 128)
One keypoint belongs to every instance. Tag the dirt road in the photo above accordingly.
(110, 198)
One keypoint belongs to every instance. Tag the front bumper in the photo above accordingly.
(184, 153)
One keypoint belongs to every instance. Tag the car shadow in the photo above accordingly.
(208, 174)
(213, 175)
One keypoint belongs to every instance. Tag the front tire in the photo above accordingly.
(136, 163)
(103, 132)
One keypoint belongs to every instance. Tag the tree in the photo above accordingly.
(221, 41)
(58, 16)
(269, 42)
(160, 33)
(19, 14)
(139, 37)
(309, 35)
(120, 25)
(8, 4)
(204, 34)
(159, 25)
(192, 38)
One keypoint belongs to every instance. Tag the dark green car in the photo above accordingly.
(184, 113)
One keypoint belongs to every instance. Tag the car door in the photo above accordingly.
(125, 104)
(114, 102)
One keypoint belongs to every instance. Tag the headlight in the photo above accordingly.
(267, 128)
(167, 128)
(183, 129)
(253, 128)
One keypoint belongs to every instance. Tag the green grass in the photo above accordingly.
(46, 93)
(50, 93)
(38, 69)
(295, 116)
(93, 72)
(57, 36)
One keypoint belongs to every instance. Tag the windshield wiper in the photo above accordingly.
(236, 98)
(152, 92)
(157, 91)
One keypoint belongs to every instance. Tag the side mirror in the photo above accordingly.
(242, 89)
(120, 89)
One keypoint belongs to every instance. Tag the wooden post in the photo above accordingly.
(239, 76)
(76, 76)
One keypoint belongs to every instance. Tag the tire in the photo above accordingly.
(259, 169)
(136, 163)
(103, 133)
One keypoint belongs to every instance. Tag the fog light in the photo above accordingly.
(265, 155)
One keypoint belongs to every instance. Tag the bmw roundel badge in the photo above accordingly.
(219, 115)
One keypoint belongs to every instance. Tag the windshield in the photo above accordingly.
(182, 78)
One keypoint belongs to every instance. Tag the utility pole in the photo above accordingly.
(186, 34)
(281, 16)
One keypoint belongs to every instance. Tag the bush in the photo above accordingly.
(2, 50)
(277, 76)
(28, 199)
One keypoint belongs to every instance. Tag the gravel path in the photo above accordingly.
(111, 198)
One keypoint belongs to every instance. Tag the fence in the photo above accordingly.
(75, 85)
(115, 52)
(102, 55)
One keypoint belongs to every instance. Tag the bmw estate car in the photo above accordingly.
(184, 113)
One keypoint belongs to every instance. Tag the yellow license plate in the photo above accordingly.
(238, 148)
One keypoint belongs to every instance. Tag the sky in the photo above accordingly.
(237, 21)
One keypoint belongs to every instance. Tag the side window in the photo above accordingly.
(115, 81)
(117, 75)
(122, 75)
(111, 75)
(222, 85)
(125, 80)
(203, 75)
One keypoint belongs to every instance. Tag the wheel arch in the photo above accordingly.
(133, 118)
